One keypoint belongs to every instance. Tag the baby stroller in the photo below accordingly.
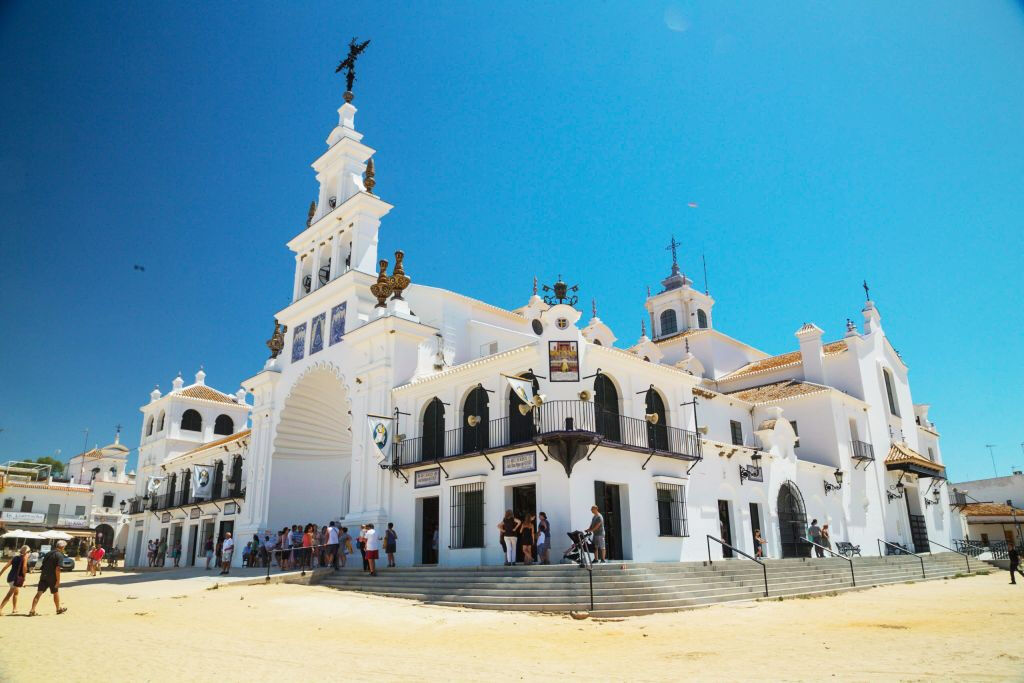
(582, 550)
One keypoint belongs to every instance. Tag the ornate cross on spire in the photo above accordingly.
(865, 286)
(535, 285)
(672, 246)
(348, 65)
(593, 308)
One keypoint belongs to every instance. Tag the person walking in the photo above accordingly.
(544, 539)
(208, 551)
(597, 529)
(391, 543)
(509, 527)
(227, 549)
(1014, 556)
(16, 577)
(758, 543)
(372, 548)
(526, 538)
(814, 534)
(49, 578)
(826, 538)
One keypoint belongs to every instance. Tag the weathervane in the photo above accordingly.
(561, 293)
(348, 65)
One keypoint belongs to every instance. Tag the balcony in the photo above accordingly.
(177, 499)
(581, 421)
(862, 451)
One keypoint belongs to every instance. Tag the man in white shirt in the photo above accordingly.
(332, 546)
(372, 548)
(225, 552)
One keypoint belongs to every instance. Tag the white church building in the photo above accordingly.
(677, 436)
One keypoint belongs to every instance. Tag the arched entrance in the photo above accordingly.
(657, 432)
(475, 437)
(105, 536)
(606, 408)
(792, 521)
(312, 452)
(520, 426)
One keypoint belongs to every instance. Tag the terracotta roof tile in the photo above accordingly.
(902, 454)
(777, 391)
(206, 393)
(781, 361)
(991, 510)
(220, 442)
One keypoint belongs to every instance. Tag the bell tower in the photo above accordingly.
(678, 306)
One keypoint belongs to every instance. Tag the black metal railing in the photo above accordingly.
(898, 550)
(862, 450)
(1000, 550)
(853, 577)
(966, 556)
(552, 417)
(764, 567)
(972, 548)
(166, 501)
(957, 498)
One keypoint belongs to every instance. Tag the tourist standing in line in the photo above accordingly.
(826, 538)
(296, 546)
(161, 553)
(526, 538)
(176, 554)
(597, 529)
(391, 543)
(1014, 556)
(372, 548)
(227, 549)
(814, 533)
(208, 551)
(758, 544)
(344, 547)
(151, 553)
(49, 578)
(509, 526)
(307, 547)
(16, 577)
(332, 546)
(361, 544)
(544, 539)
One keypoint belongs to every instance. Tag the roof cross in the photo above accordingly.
(672, 247)
(865, 286)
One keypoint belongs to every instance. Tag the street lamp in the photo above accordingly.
(838, 485)
(751, 471)
(122, 507)
(934, 500)
(899, 487)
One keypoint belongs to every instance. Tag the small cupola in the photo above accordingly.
(678, 306)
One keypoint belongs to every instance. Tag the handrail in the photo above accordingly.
(853, 577)
(902, 550)
(764, 567)
(955, 551)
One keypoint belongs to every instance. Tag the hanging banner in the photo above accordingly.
(380, 434)
(153, 484)
(202, 481)
(523, 388)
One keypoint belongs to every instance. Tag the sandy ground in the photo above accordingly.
(172, 626)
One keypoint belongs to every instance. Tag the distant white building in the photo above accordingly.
(991, 509)
(683, 434)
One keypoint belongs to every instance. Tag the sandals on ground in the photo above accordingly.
(62, 610)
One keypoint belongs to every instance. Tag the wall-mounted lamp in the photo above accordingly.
(838, 485)
(934, 500)
(752, 471)
(899, 488)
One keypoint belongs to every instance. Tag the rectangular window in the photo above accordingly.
(671, 510)
(467, 516)
(26, 506)
(8, 503)
(737, 432)
(796, 432)
(79, 511)
(108, 500)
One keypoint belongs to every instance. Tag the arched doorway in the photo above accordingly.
(657, 432)
(105, 536)
(792, 521)
(312, 452)
(606, 408)
(433, 430)
(475, 438)
(521, 427)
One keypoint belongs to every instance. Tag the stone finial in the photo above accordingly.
(312, 212)
(201, 376)
(155, 394)
(369, 180)
(593, 308)
(382, 287)
(276, 341)
(178, 383)
(535, 285)
(399, 280)
(643, 327)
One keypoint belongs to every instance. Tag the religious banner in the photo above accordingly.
(380, 434)
(153, 484)
(338, 322)
(316, 339)
(521, 387)
(517, 463)
(202, 481)
(563, 361)
(298, 342)
(425, 478)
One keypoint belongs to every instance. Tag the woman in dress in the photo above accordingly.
(527, 533)
(826, 537)
(391, 543)
(16, 577)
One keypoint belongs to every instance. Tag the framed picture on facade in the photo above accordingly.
(563, 361)
(338, 322)
(299, 342)
(316, 334)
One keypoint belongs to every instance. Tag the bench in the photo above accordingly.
(847, 549)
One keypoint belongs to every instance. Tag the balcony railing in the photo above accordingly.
(166, 501)
(862, 450)
(551, 418)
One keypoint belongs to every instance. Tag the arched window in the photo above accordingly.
(236, 476)
(160, 422)
(657, 431)
(224, 425)
(186, 488)
(113, 472)
(192, 421)
(95, 473)
(606, 408)
(668, 322)
(218, 479)
(475, 438)
(433, 430)
(172, 481)
(149, 426)
(893, 405)
(598, 342)
(702, 318)
(520, 426)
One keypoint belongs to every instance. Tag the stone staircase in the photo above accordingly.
(627, 589)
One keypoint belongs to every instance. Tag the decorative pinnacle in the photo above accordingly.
(369, 178)
(382, 287)
(398, 280)
(643, 327)
(535, 285)
(312, 212)
(593, 308)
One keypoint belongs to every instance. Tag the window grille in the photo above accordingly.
(737, 432)
(671, 510)
(668, 322)
(467, 516)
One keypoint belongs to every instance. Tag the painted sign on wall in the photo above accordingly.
(424, 478)
(517, 463)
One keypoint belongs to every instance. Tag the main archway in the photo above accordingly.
(312, 451)
(792, 521)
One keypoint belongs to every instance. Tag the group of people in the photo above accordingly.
(156, 553)
(531, 535)
(49, 578)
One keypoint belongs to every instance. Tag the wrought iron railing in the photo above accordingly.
(862, 450)
(552, 417)
(897, 549)
(1000, 549)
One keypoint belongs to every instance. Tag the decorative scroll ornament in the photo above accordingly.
(369, 177)
(560, 293)
(276, 341)
(399, 280)
(312, 212)
(382, 288)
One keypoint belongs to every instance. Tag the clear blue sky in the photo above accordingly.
(824, 142)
